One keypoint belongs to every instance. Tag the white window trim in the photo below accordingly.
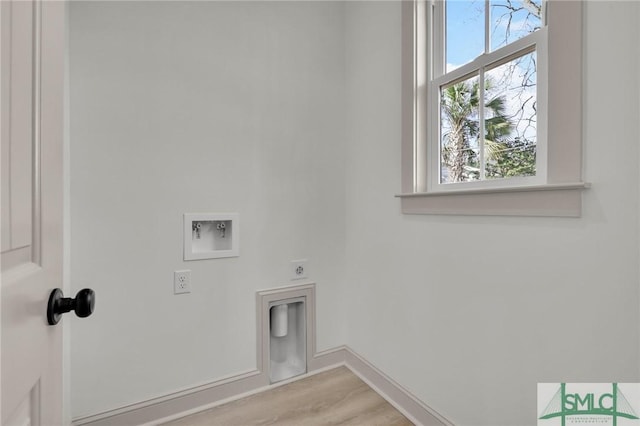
(558, 192)
(537, 42)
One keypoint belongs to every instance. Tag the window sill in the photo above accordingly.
(558, 200)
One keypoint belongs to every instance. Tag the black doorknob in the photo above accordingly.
(83, 304)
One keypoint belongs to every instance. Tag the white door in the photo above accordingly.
(31, 127)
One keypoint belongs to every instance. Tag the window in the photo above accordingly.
(492, 107)
(483, 89)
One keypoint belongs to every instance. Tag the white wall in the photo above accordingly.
(469, 313)
(199, 107)
(252, 107)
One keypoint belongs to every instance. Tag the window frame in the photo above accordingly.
(557, 187)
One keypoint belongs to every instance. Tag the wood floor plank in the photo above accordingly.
(334, 397)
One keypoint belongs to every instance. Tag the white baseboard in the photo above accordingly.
(190, 401)
(235, 397)
(182, 403)
(403, 400)
(185, 401)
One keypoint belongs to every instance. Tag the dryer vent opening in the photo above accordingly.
(287, 339)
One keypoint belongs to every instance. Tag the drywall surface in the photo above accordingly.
(196, 107)
(470, 313)
(240, 107)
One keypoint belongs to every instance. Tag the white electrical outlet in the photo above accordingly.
(182, 281)
(299, 269)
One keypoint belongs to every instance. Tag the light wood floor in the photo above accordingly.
(334, 397)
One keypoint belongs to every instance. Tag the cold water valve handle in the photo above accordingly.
(82, 305)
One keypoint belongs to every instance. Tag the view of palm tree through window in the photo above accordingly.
(502, 143)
